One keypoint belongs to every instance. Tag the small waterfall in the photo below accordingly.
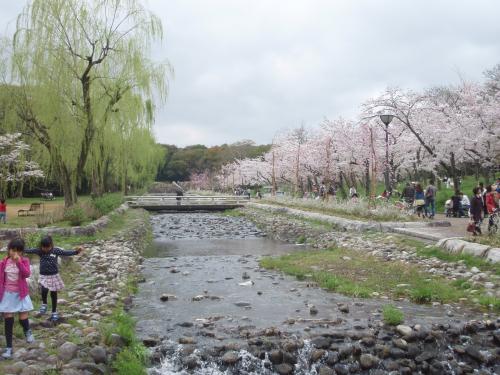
(247, 364)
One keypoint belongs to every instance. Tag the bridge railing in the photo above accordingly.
(173, 200)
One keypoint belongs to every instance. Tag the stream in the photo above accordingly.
(207, 307)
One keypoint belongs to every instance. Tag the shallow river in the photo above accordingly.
(207, 267)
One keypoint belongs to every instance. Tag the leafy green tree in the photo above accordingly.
(75, 61)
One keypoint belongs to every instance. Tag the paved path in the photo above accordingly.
(457, 229)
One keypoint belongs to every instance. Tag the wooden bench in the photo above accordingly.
(35, 209)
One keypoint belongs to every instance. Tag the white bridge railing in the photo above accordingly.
(185, 200)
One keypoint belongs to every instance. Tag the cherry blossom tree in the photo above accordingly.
(15, 166)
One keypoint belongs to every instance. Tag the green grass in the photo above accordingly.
(392, 315)
(357, 274)
(301, 239)
(233, 213)
(490, 240)
(133, 358)
(490, 302)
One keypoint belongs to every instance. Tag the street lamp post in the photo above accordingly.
(386, 119)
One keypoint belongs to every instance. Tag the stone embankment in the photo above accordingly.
(84, 230)
(96, 285)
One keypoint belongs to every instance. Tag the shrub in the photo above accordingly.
(422, 294)
(392, 315)
(131, 360)
(32, 240)
(107, 203)
(75, 215)
(301, 239)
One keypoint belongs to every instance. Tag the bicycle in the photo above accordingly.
(493, 221)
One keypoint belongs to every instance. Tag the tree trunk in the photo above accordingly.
(69, 188)
(454, 174)
(20, 187)
(367, 177)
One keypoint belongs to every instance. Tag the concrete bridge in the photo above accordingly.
(166, 202)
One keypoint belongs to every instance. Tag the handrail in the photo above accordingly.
(195, 200)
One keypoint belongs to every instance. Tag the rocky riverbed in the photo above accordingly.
(96, 283)
(206, 307)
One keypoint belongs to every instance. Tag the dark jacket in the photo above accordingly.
(476, 208)
(48, 261)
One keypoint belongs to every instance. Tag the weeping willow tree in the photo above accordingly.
(75, 61)
(125, 154)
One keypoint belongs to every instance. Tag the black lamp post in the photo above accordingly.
(386, 119)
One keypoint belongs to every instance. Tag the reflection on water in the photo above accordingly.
(219, 247)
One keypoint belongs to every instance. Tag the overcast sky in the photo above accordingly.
(244, 69)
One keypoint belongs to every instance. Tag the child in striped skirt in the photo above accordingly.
(49, 279)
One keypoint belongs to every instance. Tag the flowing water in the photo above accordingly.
(215, 294)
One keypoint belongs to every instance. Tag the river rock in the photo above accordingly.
(67, 351)
(32, 370)
(98, 354)
(191, 362)
(344, 308)
(325, 370)
(284, 369)
(404, 330)
(150, 342)
(316, 354)
(276, 357)
(230, 357)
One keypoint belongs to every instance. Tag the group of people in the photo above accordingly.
(424, 200)
(485, 202)
(14, 290)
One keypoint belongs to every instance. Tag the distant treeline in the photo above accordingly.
(181, 162)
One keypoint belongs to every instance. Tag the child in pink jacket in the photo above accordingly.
(14, 292)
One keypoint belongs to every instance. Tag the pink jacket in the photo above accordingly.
(24, 273)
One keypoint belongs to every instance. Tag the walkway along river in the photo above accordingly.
(206, 307)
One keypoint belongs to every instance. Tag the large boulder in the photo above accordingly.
(493, 255)
(475, 249)
(454, 246)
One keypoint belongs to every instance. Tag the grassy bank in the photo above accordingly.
(360, 275)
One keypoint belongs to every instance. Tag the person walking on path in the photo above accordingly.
(489, 198)
(483, 195)
(3, 211)
(419, 200)
(50, 280)
(14, 292)
(430, 200)
(476, 210)
(409, 193)
(352, 192)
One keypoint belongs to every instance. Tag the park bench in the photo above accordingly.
(35, 209)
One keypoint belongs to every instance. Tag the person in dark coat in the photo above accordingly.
(409, 193)
(476, 210)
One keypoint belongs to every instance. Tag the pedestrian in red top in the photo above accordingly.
(489, 198)
(14, 292)
(3, 210)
